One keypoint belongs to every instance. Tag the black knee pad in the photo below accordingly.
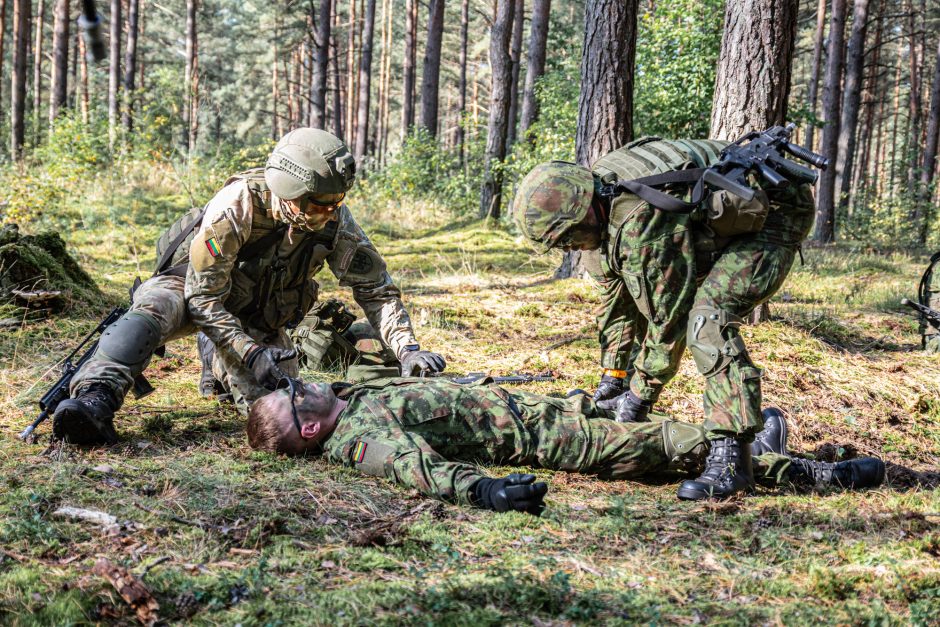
(132, 339)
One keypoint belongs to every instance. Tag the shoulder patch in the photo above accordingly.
(362, 262)
(370, 456)
(215, 240)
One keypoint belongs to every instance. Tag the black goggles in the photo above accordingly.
(293, 385)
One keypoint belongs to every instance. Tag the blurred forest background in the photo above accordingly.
(447, 104)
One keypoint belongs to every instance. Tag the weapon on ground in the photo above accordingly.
(930, 315)
(60, 389)
(512, 379)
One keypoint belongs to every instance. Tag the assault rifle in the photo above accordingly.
(513, 379)
(60, 389)
(932, 316)
(758, 153)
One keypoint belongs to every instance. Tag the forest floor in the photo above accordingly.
(219, 534)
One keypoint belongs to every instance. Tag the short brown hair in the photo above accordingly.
(264, 430)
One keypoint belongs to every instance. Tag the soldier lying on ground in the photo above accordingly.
(429, 434)
(246, 274)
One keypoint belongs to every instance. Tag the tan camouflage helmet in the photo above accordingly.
(308, 160)
(551, 199)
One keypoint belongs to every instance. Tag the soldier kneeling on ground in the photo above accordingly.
(241, 272)
(430, 434)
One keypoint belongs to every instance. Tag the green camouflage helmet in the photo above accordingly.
(551, 199)
(308, 160)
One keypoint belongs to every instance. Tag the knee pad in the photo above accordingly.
(131, 340)
(683, 443)
(713, 338)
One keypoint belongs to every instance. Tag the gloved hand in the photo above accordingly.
(628, 407)
(413, 362)
(263, 363)
(609, 387)
(515, 492)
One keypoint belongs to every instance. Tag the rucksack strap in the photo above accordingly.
(164, 263)
(645, 189)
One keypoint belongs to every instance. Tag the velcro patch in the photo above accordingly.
(370, 456)
(213, 247)
(360, 451)
(216, 241)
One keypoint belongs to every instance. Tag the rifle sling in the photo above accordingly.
(645, 188)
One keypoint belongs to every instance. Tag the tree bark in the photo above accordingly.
(408, 83)
(21, 19)
(321, 69)
(189, 78)
(813, 92)
(930, 153)
(351, 66)
(430, 83)
(58, 91)
(130, 63)
(753, 80)
(337, 93)
(462, 84)
(365, 82)
(538, 39)
(37, 66)
(501, 68)
(851, 98)
(83, 64)
(832, 91)
(381, 127)
(915, 59)
(516, 56)
(114, 70)
(3, 26)
(605, 109)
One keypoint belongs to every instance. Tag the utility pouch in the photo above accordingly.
(321, 346)
(730, 215)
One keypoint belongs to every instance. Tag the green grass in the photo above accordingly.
(235, 536)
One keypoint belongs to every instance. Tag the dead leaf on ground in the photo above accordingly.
(131, 589)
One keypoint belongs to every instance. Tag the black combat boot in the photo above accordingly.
(773, 437)
(852, 474)
(727, 472)
(209, 386)
(88, 418)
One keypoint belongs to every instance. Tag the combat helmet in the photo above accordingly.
(308, 160)
(551, 199)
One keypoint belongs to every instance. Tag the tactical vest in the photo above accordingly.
(272, 282)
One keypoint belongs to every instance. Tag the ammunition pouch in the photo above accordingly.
(706, 339)
(728, 214)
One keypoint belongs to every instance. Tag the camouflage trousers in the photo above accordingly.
(734, 281)
(162, 299)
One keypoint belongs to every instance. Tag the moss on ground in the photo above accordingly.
(221, 534)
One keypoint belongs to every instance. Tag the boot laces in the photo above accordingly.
(819, 472)
(719, 465)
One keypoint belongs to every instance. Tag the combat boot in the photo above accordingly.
(773, 437)
(727, 471)
(852, 474)
(209, 386)
(88, 418)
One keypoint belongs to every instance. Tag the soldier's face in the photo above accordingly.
(316, 409)
(312, 211)
(580, 237)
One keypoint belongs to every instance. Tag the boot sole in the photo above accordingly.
(74, 427)
(688, 492)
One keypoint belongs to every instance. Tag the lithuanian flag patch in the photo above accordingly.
(359, 452)
(213, 247)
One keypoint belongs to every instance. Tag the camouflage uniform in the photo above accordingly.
(673, 267)
(238, 303)
(430, 434)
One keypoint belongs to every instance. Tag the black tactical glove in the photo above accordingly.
(263, 363)
(609, 387)
(515, 492)
(414, 362)
(628, 407)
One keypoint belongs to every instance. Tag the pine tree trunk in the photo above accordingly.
(21, 19)
(501, 68)
(516, 56)
(893, 170)
(832, 97)
(929, 167)
(381, 126)
(3, 27)
(83, 64)
(351, 98)
(321, 68)
(130, 63)
(813, 92)
(753, 80)
(37, 66)
(915, 59)
(337, 91)
(535, 68)
(58, 91)
(851, 97)
(73, 80)
(462, 83)
(868, 130)
(189, 95)
(430, 83)
(605, 109)
(139, 57)
(408, 83)
(365, 82)
(114, 70)
(275, 88)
